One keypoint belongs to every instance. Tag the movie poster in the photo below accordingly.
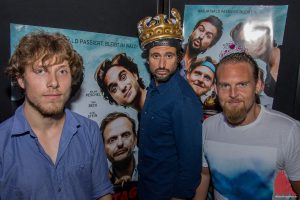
(111, 94)
(258, 30)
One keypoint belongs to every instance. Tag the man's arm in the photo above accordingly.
(106, 197)
(202, 189)
(187, 126)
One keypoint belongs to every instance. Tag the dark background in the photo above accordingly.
(121, 16)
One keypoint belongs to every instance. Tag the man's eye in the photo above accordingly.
(209, 36)
(123, 77)
(63, 71)
(207, 78)
(243, 85)
(126, 135)
(39, 71)
(155, 56)
(113, 89)
(170, 56)
(223, 86)
(201, 28)
(111, 140)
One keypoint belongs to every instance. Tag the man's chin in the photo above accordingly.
(162, 79)
(235, 115)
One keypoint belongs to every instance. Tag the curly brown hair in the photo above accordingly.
(45, 46)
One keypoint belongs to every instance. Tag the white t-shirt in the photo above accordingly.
(244, 160)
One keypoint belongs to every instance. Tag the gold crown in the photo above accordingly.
(160, 27)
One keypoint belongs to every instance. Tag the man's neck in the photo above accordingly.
(37, 121)
(47, 129)
(124, 168)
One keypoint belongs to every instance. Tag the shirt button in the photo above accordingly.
(145, 113)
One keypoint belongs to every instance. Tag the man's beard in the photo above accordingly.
(194, 52)
(164, 78)
(50, 111)
(235, 115)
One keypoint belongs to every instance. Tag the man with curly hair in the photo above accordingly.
(46, 150)
(120, 82)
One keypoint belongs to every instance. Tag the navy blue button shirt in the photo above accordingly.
(27, 172)
(170, 141)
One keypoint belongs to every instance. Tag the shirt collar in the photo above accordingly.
(20, 124)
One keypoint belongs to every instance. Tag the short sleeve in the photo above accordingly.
(291, 153)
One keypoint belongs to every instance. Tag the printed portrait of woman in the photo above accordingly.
(258, 40)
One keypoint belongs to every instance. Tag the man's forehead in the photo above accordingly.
(118, 125)
(114, 72)
(234, 69)
(209, 27)
(203, 68)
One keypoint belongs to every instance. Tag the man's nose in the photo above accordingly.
(162, 62)
(52, 80)
(233, 92)
(122, 86)
(120, 142)
(201, 35)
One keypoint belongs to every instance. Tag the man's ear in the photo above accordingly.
(259, 87)
(20, 81)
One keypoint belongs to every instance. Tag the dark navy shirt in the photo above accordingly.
(27, 172)
(170, 141)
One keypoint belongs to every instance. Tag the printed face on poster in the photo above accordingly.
(214, 31)
(112, 93)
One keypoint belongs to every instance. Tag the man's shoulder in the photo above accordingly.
(183, 87)
(279, 118)
(5, 131)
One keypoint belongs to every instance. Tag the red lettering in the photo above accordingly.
(132, 192)
(124, 196)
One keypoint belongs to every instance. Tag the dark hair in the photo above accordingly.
(121, 60)
(45, 46)
(215, 21)
(237, 58)
(113, 116)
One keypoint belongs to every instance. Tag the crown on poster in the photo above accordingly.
(160, 27)
(229, 48)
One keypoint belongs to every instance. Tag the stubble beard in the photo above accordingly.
(53, 110)
(165, 78)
